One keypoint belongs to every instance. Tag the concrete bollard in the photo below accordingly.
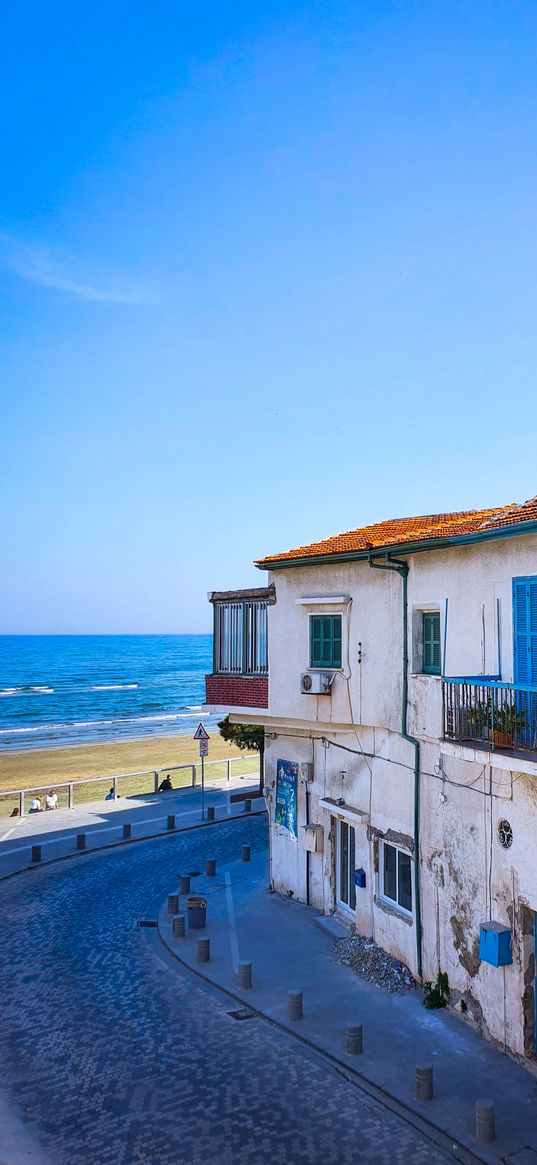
(173, 903)
(485, 1124)
(210, 812)
(354, 1040)
(245, 975)
(127, 831)
(36, 853)
(178, 926)
(203, 950)
(294, 1005)
(245, 853)
(247, 806)
(424, 1082)
(81, 841)
(184, 884)
(210, 868)
(170, 823)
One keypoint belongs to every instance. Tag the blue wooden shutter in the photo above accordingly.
(525, 630)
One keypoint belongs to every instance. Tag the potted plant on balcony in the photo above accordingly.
(508, 722)
(478, 719)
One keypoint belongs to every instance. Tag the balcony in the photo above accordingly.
(491, 714)
(240, 649)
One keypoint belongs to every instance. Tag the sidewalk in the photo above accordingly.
(102, 822)
(289, 950)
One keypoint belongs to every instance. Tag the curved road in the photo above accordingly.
(112, 1057)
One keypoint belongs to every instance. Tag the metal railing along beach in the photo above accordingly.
(74, 793)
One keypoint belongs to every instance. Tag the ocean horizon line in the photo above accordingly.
(100, 634)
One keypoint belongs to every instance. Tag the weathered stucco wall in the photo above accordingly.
(466, 876)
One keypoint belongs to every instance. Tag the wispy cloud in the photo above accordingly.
(57, 270)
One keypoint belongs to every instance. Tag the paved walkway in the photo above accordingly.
(102, 821)
(290, 952)
(113, 1055)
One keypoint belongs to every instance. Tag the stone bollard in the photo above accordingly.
(173, 903)
(294, 1005)
(354, 1040)
(245, 975)
(210, 812)
(485, 1125)
(245, 853)
(36, 853)
(247, 806)
(127, 831)
(424, 1082)
(81, 841)
(203, 950)
(184, 884)
(210, 868)
(178, 926)
(170, 823)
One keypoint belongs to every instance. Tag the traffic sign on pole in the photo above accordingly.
(204, 747)
(200, 733)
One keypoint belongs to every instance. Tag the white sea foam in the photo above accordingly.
(112, 687)
(98, 723)
(37, 690)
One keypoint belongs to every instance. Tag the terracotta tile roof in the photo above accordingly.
(401, 531)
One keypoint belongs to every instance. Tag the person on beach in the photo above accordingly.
(165, 785)
(51, 800)
(35, 805)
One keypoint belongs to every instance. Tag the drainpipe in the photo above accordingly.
(307, 851)
(401, 567)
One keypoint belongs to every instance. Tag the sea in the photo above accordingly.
(82, 689)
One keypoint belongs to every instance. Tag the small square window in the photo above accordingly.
(325, 640)
(430, 630)
(396, 867)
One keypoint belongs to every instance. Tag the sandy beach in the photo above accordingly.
(30, 767)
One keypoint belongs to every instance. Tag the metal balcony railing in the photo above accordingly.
(490, 712)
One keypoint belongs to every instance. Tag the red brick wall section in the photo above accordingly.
(237, 691)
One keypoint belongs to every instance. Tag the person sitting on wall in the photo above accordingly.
(165, 785)
(51, 800)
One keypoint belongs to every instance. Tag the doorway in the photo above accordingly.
(345, 862)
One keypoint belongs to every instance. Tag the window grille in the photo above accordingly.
(240, 638)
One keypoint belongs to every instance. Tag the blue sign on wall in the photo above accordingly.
(286, 791)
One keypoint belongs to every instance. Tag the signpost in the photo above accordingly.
(203, 737)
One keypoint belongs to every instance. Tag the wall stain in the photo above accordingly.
(468, 954)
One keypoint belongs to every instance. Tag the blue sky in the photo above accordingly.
(267, 272)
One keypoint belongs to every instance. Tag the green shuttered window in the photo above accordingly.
(431, 642)
(325, 640)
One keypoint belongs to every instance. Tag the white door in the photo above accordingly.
(345, 858)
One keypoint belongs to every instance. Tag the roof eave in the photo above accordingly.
(401, 547)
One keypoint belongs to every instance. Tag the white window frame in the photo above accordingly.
(327, 667)
(395, 905)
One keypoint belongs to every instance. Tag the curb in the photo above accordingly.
(87, 853)
(441, 1139)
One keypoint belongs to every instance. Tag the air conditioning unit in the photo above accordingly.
(316, 683)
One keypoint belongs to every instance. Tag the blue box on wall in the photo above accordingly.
(495, 944)
(359, 878)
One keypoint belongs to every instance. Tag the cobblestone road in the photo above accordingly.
(113, 1058)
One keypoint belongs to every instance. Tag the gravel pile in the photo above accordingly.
(372, 963)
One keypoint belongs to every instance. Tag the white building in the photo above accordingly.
(399, 699)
